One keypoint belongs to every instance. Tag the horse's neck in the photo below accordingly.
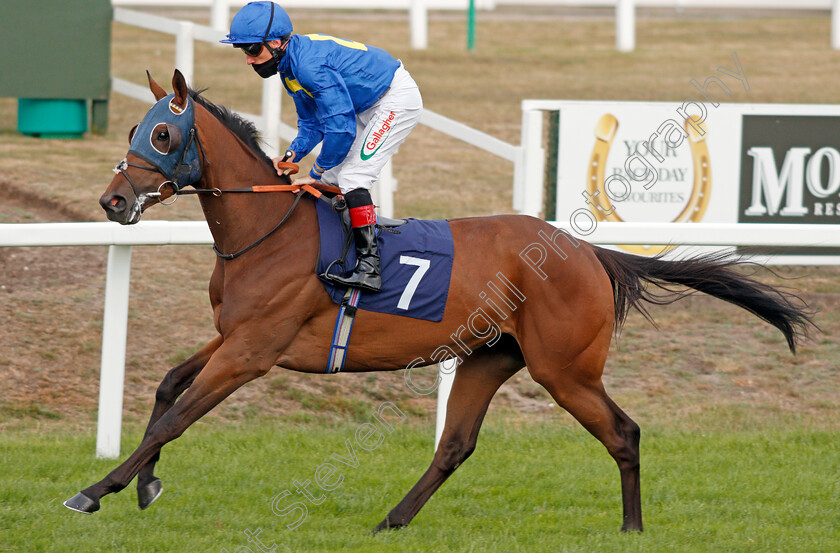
(239, 219)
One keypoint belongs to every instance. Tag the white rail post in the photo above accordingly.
(446, 370)
(528, 178)
(271, 106)
(835, 24)
(384, 190)
(112, 369)
(625, 25)
(219, 14)
(184, 50)
(518, 177)
(418, 17)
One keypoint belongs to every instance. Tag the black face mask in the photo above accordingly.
(266, 69)
(269, 68)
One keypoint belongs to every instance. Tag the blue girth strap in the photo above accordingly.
(343, 327)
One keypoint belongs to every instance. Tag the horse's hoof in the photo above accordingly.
(147, 494)
(387, 525)
(627, 528)
(82, 504)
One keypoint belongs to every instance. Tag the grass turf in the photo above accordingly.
(552, 488)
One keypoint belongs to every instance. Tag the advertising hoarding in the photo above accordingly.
(690, 162)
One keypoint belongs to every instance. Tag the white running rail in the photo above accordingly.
(122, 238)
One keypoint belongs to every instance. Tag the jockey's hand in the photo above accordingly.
(288, 156)
(306, 180)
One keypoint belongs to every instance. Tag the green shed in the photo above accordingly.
(56, 59)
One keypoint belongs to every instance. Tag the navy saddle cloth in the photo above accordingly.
(416, 265)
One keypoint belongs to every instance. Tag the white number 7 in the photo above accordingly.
(422, 266)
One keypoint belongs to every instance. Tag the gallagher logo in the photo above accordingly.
(376, 137)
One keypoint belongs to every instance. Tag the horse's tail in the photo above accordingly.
(715, 274)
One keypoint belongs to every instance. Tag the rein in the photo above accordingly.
(314, 190)
(295, 188)
(229, 256)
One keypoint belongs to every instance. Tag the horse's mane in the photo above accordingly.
(239, 126)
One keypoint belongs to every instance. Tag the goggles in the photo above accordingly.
(252, 49)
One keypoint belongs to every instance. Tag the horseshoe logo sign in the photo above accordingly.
(694, 210)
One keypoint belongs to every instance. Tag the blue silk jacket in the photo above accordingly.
(331, 80)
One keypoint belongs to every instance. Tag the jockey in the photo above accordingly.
(357, 100)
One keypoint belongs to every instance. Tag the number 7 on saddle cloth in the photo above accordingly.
(416, 265)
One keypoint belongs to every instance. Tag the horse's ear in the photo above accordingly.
(179, 85)
(155, 88)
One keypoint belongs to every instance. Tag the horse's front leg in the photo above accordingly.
(173, 385)
(229, 368)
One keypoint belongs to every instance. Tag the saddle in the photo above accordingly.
(416, 257)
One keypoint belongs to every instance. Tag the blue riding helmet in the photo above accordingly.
(177, 158)
(254, 23)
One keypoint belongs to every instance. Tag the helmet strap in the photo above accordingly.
(276, 53)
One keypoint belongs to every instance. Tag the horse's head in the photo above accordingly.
(162, 158)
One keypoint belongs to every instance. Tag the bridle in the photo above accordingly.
(178, 190)
(171, 180)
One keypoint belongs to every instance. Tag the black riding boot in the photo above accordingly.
(366, 274)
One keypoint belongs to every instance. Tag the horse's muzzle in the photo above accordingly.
(118, 209)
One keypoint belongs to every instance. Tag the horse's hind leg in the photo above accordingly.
(173, 385)
(476, 381)
(599, 414)
(578, 389)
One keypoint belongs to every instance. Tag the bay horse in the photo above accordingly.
(270, 309)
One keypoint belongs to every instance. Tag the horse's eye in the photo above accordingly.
(166, 138)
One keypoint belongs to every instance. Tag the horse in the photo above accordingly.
(563, 301)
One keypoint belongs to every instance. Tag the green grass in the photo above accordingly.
(552, 488)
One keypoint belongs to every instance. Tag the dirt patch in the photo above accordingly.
(37, 268)
(50, 325)
(17, 202)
